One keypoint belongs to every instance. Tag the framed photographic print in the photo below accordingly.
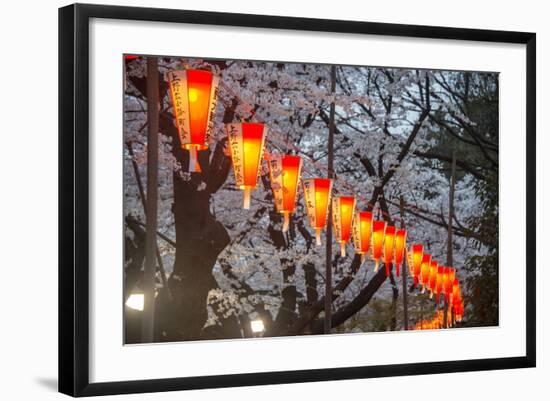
(249, 199)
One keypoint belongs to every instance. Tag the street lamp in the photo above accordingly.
(136, 301)
(257, 327)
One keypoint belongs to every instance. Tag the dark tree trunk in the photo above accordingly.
(199, 241)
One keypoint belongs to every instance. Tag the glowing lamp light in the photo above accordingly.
(415, 261)
(378, 232)
(424, 273)
(362, 228)
(389, 248)
(194, 96)
(284, 172)
(400, 246)
(136, 301)
(343, 208)
(257, 326)
(246, 142)
(317, 195)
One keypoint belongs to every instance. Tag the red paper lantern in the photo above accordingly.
(433, 277)
(194, 96)
(389, 248)
(447, 283)
(284, 174)
(400, 247)
(456, 290)
(439, 283)
(246, 142)
(415, 255)
(362, 229)
(343, 208)
(378, 231)
(424, 273)
(317, 195)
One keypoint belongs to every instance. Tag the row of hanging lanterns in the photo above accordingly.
(194, 95)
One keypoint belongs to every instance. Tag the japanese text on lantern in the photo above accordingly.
(179, 93)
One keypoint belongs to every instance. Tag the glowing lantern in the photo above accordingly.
(317, 195)
(400, 246)
(343, 208)
(389, 248)
(415, 255)
(362, 228)
(447, 283)
(284, 174)
(439, 283)
(194, 96)
(246, 142)
(456, 290)
(433, 277)
(378, 231)
(452, 274)
(424, 272)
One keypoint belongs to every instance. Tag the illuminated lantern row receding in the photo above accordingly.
(362, 229)
(378, 231)
(389, 248)
(317, 195)
(343, 208)
(284, 172)
(194, 96)
(400, 247)
(246, 142)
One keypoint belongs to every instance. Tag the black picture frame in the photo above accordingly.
(74, 198)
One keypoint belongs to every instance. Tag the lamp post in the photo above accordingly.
(147, 329)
